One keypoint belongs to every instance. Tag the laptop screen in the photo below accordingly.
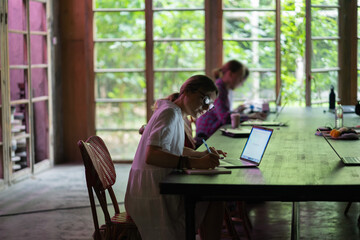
(256, 144)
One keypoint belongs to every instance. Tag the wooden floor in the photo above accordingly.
(318, 220)
(54, 205)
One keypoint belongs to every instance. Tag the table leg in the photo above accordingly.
(295, 234)
(190, 217)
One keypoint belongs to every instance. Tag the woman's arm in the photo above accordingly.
(157, 157)
(192, 153)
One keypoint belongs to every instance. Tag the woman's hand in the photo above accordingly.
(210, 160)
(218, 152)
(258, 115)
(240, 108)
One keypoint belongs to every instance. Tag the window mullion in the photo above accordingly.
(149, 59)
(30, 94)
(278, 49)
(308, 50)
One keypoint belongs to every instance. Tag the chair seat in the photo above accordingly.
(124, 227)
(123, 218)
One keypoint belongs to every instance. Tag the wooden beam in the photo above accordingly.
(213, 36)
(77, 75)
(149, 73)
(347, 85)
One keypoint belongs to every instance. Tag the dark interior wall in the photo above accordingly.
(75, 117)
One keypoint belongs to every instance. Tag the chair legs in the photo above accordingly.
(230, 225)
(244, 217)
(347, 208)
(239, 215)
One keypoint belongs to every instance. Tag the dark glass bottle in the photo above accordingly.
(332, 98)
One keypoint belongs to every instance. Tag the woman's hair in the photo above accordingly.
(193, 84)
(233, 66)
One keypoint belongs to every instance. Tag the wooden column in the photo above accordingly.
(347, 88)
(149, 73)
(77, 75)
(213, 33)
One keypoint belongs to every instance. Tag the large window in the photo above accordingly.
(249, 35)
(144, 50)
(119, 37)
(179, 43)
(323, 37)
(132, 59)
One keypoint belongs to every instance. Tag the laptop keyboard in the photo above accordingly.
(352, 159)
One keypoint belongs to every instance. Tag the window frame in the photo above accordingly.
(214, 47)
(276, 40)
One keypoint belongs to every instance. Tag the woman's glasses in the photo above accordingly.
(207, 102)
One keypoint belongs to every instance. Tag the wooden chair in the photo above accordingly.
(240, 215)
(100, 177)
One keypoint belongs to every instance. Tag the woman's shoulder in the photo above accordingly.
(168, 109)
(220, 84)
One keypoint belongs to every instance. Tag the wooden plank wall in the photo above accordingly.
(77, 77)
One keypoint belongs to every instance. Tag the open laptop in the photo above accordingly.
(253, 150)
(348, 161)
(267, 123)
(348, 108)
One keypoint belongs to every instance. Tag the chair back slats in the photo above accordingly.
(101, 160)
(90, 183)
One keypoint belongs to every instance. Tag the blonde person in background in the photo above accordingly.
(230, 76)
(161, 150)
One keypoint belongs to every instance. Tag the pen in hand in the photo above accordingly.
(207, 147)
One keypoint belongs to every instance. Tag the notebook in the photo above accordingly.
(253, 150)
(348, 161)
(236, 133)
(207, 171)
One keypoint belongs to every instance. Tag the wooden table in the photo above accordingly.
(297, 166)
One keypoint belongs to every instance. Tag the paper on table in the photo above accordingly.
(208, 171)
(262, 123)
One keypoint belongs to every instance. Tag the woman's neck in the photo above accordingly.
(226, 82)
(179, 102)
